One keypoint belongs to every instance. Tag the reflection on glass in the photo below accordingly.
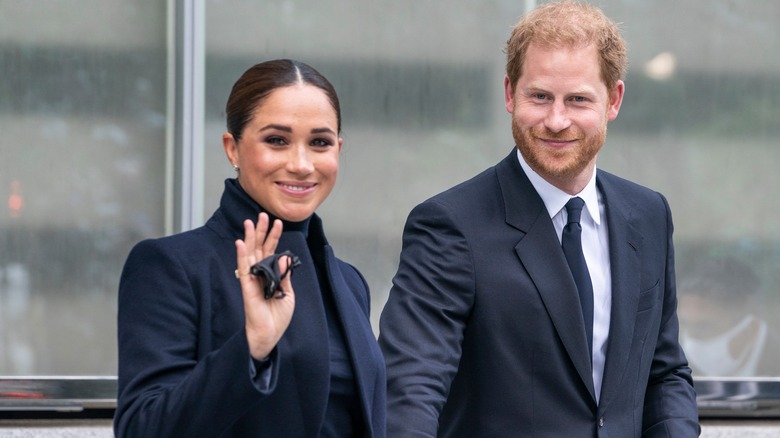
(723, 331)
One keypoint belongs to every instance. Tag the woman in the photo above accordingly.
(202, 351)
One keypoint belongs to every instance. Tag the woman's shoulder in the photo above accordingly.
(191, 246)
(179, 241)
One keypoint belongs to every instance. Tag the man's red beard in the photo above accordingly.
(564, 164)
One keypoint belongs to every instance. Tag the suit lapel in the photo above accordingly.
(540, 254)
(625, 243)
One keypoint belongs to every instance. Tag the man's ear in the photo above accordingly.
(615, 100)
(509, 95)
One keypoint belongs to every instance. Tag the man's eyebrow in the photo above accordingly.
(579, 91)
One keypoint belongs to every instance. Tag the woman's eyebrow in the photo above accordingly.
(274, 126)
(321, 130)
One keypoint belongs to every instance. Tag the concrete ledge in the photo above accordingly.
(103, 428)
(56, 428)
(740, 428)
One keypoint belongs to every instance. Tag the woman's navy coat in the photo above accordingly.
(184, 363)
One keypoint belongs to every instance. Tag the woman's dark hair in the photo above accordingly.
(260, 80)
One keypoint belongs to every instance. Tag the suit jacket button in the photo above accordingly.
(601, 422)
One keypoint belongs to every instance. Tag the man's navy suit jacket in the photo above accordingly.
(483, 334)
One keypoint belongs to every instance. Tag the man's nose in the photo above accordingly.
(557, 118)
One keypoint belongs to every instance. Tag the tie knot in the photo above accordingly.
(574, 209)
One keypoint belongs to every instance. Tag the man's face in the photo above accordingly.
(560, 108)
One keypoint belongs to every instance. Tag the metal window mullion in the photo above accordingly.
(186, 110)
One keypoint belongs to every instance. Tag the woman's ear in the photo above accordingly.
(231, 149)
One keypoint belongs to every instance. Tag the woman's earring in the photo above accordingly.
(235, 167)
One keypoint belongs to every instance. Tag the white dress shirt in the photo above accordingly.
(595, 246)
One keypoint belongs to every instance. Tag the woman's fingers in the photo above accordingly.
(266, 320)
(249, 240)
(265, 239)
(260, 242)
(260, 237)
(285, 267)
(272, 238)
(242, 267)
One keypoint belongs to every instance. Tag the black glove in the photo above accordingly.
(268, 269)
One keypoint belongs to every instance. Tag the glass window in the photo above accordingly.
(698, 124)
(82, 174)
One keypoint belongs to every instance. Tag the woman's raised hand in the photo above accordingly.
(266, 319)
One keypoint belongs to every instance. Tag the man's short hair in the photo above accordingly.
(568, 23)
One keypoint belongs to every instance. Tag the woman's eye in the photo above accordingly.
(275, 140)
(321, 142)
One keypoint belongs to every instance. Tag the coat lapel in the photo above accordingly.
(308, 332)
(625, 243)
(541, 255)
(358, 334)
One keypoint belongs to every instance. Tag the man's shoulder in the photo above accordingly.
(610, 182)
(485, 185)
(631, 198)
(479, 188)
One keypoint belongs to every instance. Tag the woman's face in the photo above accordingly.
(288, 154)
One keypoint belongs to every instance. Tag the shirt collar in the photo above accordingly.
(555, 199)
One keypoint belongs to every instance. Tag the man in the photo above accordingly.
(484, 334)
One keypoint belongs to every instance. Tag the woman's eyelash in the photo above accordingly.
(274, 140)
(322, 142)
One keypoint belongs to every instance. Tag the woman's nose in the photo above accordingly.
(300, 161)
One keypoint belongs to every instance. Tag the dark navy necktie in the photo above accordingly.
(572, 248)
